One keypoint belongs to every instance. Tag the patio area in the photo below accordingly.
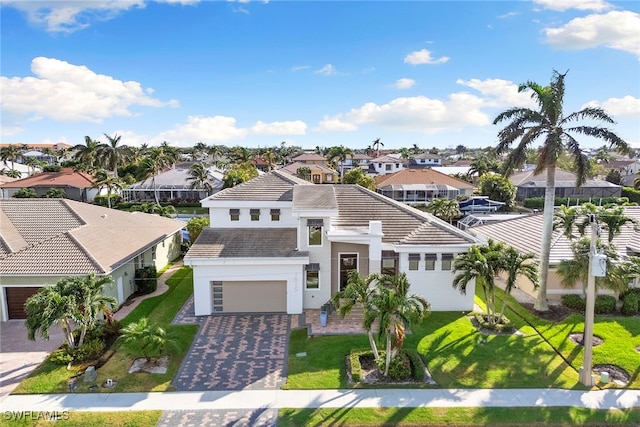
(351, 324)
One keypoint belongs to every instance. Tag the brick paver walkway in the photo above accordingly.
(236, 351)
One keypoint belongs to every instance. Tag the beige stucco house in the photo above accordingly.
(44, 240)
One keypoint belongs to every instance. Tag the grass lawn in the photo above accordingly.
(161, 309)
(90, 419)
(455, 416)
(621, 336)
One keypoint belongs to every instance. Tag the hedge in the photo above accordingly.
(631, 193)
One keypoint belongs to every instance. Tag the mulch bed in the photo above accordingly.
(578, 337)
(556, 313)
(616, 374)
(370, 374)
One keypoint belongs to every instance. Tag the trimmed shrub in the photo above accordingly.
(90, 350)
(399, 368)
(574, 302)
(417, 365)
(356, 367)
(61, 356)
(631, 193)
(502, 325)
(605, 304)
(146, 279)
(631, 304)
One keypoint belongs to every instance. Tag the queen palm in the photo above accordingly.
(113, 155)
(515, 264)
(111, 182)
(199, 178)
(156, 160)
(10, 153)
(549, 125)
(88, 153)
(340, 153)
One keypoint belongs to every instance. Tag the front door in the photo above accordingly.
(348, 262)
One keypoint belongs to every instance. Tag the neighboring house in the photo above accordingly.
(311, 159)
(525, 234)
(529, 185)
(421, 186)
(385, 165)
(39, 156)
(56, 147)
(280, 244)
(262, 164)
(45, 240)
(6, 179)
(454, 170)
(359, 160)
(25, 171)
(172, 185)
(320, 174)
(424, 160)
(76, 185)
(625, 166)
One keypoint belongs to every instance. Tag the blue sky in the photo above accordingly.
(432, 73)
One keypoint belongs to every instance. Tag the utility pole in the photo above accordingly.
(597, 267)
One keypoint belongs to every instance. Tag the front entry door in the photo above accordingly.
(348, 262)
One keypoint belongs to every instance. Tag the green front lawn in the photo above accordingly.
(84, 419)
(161, 309)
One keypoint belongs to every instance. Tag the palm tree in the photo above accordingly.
(10, 153)
(151, 340)
(340, 153)
(576, 270)
(88, 153)
(516, 264)
(157, 160)
(415, 149)
(376, 146)
(394, 309)
(199, 178)
(357, 292)
(11, 173)
(482, 264)
(460, 150)
(614, 219)
(565, 219)
(92, 301)
(110, 182)
(111, 155)
(482, 165)
(549, 124)
(445, 209)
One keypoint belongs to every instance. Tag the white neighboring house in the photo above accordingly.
(45, 240)
(280, 244)
(385, 165)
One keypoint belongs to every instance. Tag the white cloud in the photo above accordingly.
(508, 15)
(300, 68)
(206, 129)
(327, 70)
(562, 5)
(413, 114)
(616, 30)
(499, 93)
(627, 106)
(423, 57)
(296, 127)
(67, 92)
(404, 83)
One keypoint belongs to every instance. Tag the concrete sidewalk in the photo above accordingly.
(253, 399)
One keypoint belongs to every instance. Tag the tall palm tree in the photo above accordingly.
(339, 153)
(88, 153)
(113, 155)
(156, 160)
(376, 144)
(576, 270)
(10, 153)
(394, 308)
(445, 209)
(357, 292)
(111, 182)
(199, 178)
(549, 124)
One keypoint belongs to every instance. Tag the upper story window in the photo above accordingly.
(430, 261)
(387, 167)
(275, 214)
(255, 214)
(234, 214)
(315, 231)
(389, 263)
(446, 261)
(414, 260)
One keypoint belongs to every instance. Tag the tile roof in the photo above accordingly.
(246, 243)
(387, 159)
(305, 157)
(401, 224)
(322, 197)
(420, 176)
(525, 234)
(563, 179)
(292, 168)
(273, 186)
(65, 178)
(59, 236)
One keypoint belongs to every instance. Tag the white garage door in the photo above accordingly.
(250, 297)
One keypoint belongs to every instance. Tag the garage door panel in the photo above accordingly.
(254, 297)
(16, 297)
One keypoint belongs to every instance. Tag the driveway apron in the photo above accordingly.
(235, 352)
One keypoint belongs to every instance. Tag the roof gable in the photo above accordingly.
(420, 176)
(67, 177)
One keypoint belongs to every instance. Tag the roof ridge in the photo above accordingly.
(73, 212)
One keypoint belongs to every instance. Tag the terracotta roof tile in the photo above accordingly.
(420, 176)
(65, 178)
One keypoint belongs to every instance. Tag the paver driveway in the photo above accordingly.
(236, 351)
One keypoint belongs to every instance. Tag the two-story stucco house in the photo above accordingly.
(280, 244)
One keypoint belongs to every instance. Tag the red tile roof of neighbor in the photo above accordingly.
(56, 146)
(66, 177)
(420, 176)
